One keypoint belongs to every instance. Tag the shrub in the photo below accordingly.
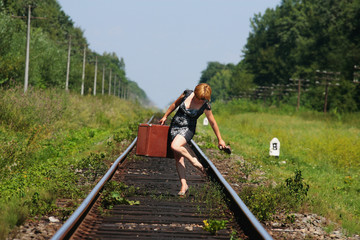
(296, 187)
(92, 166)
(264, 201)
(37, 107)
(11, 215)
(40, 203)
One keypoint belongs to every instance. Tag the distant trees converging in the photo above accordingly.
(57, 51)
(314, 43)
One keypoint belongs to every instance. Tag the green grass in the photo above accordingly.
(325, 148)
(53, 144)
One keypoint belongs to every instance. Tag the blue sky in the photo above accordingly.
(166, 44)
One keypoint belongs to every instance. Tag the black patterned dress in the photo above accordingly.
(184, 121)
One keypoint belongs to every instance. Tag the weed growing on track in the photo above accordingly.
(116, 193)
(52, 145)
(213, 198)
(212, 225)
(324, 147)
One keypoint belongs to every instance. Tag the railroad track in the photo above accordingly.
(159, 213)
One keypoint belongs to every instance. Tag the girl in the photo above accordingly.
(192, 104)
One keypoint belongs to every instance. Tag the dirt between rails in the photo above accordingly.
(305, 225)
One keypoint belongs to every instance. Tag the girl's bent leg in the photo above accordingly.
(180, 146)
(194, 161)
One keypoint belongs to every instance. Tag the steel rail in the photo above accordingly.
(69, 227)
(250, 224)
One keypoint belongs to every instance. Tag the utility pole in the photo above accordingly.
(299, 89)
(356, 74)
(26, 81)
(124, 86)
(68, 66)
(27, 57)
(127, 92)
(277, 90)
(110, 83)
(122, 94)
(95, 76)
(83, 72)
(119, 87)
(115, 85)
(328, 79)
(264, 92)
(122, 90)
(103, 80)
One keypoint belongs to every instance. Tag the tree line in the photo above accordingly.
(53, 39)
(306, 46)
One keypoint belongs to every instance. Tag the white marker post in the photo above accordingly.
(206, 121)
(275, 147)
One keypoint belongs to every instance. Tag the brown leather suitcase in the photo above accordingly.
(153, 140)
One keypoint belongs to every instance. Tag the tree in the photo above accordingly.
(298, 37)
(241, 81)
(48, 48)
(220, 85)
(210, 71)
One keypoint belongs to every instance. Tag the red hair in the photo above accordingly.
(203, 91)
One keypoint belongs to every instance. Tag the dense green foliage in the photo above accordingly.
(51, 30)
(294, 40)
(56, 145)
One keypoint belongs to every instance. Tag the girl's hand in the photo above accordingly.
(221, 144)
(162, 121)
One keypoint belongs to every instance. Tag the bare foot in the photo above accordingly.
(183, 190)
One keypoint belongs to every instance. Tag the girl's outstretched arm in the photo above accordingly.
(171, 108)
(213, 124)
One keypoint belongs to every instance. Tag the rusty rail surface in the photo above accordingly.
(159, 218)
